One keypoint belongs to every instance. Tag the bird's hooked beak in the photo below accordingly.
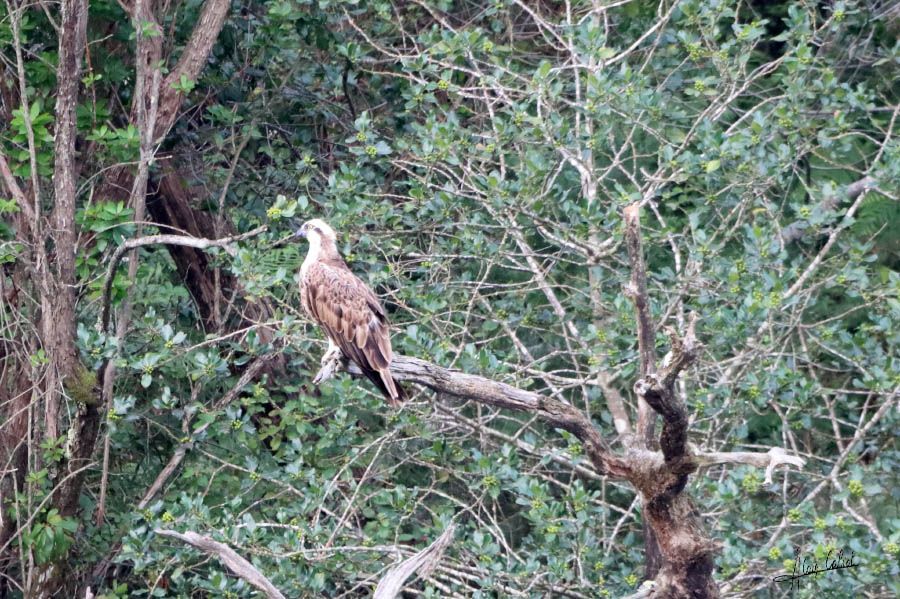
(301, 232)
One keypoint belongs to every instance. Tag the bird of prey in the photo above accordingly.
(346, 309)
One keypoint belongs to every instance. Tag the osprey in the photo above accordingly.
(346, 309)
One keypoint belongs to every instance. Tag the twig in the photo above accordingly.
(229, 557)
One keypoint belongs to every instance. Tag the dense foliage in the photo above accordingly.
(475, 159)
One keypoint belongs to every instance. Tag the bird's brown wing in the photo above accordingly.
(353, 319)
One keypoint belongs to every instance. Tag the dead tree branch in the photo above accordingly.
(183, 240)
(658, 389)
(422, 563)
(501, 395)
(229, 557)
(770, 460)
(646, 332)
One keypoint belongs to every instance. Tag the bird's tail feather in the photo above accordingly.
(401, 392)
(394, 393)
(388, 385)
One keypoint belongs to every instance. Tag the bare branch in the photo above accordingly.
(229, 557)
(770, 460)
(183, 240)
(422, 563)
(501, 395)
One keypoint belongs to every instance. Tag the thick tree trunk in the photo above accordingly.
(652, 554)
(687, 552)
(170, 207)
(58, 293)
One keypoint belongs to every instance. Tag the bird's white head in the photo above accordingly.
(319, 234)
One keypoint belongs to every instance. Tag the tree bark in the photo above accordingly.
(15, 397)
(646, 334)
(190, 64)
(65, 373)
(58, 288)
(679, 555)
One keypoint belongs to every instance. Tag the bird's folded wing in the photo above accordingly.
(350, 314)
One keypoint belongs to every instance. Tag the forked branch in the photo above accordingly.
(657, 389)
